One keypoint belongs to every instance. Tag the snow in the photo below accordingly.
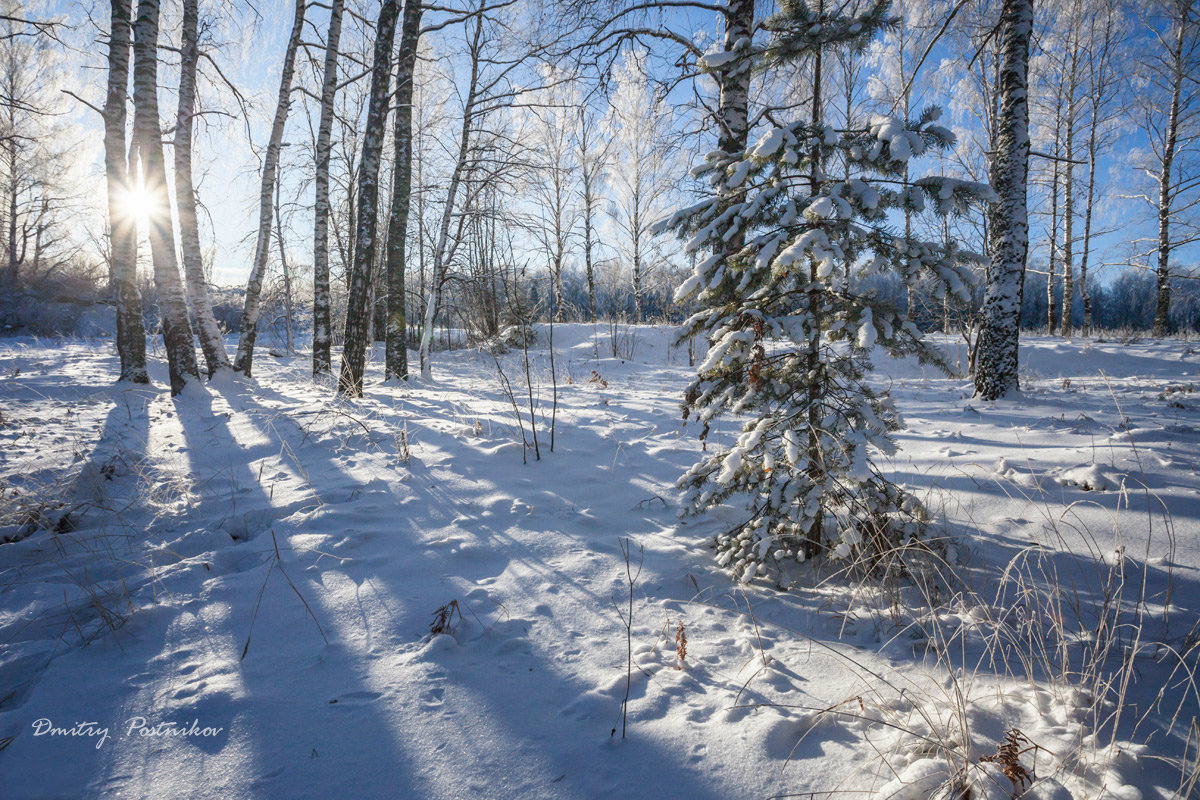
(317, 538)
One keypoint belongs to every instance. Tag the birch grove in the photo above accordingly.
(517, 175)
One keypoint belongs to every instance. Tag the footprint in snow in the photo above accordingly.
(355, 698)
(432, 698)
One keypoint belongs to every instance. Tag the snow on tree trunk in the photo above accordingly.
(244, 361)
(733, 98)
(396, 342)
(322, 316)
(733, 101)
(999, 335)
(209, 333)
(350, 381)
(131, 328)
(177, 331)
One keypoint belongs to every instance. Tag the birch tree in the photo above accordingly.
(176, 330)
(553, 184)
(592, 154)
(641, 139)
(1103, 43)
(122, 224)
(483, 94)
(1008, 218)
(1169, 114)
(211, 342)
(322, 322)
(396, 341)
(244, 361)
(350, 380)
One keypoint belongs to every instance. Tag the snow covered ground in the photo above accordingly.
(230, 594)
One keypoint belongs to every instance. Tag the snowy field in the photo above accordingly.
(230, 594)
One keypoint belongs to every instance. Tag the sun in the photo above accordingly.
(139, 203)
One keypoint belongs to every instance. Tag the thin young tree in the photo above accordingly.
(147, 132)
(592, 152)
(1104, 44)
(641, 140)
(553, 184)
(244, 361)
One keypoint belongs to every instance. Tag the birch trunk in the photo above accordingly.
(637, 259)
(215, 357)
(1162, 306)
(131, 328)
(1068, 299)
(1093, 148)
(322, 316)
(289, 308)
(999, 336)
(354, 349)
(590, 167)
(244, 361)
(733, 101)
(437, 276)
(1051, 305)
(589, 208)
(177, 332)
(396, 336)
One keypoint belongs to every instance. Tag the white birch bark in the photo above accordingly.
(207, 330)
(438, 276)
(396, 339)
(358, 312)
(177, 331)
(996, 369)
(244, 360)
(322, 315)
(131, 329)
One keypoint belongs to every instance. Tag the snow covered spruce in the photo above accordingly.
(791, 317)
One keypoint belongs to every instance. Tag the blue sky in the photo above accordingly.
(227, 167)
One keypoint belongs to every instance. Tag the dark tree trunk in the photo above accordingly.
(396, 345)
(354, 350)
(322, 315)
